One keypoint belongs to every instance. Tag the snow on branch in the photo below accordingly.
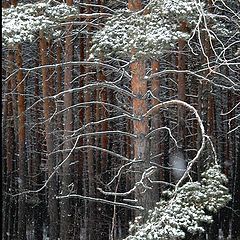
(188, 206)
(184, 211)
(23, 22)
(148, 32)
(100, 200)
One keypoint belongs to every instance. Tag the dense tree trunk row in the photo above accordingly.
(80, 150)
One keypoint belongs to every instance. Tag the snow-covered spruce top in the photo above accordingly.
(21, 23)
(186, 209)
(148, 32)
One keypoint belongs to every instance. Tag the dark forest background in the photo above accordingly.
(68, 126)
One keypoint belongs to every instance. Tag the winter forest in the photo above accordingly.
(120, 120)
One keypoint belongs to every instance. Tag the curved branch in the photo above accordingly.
(202, 130)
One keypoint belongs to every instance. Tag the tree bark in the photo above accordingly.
(79, 169)
(66, 211)
(157, 147)
(21, 147)
(37, 173)
(9, 149)
(104, 126)
(89, 156)
(140, 126)
(181, 86)
(51, 161)
(141, 129)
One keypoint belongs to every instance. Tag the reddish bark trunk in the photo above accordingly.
(140, 126)
(9, 152)
(10, 122)
(66, 213)
(157, 147)
(134, 5)
(14, 2)
(51, 161)
(81, 111)
(210, 97)
(89, 157)
(37, 173)
(104, 125)
(21, 147)
(59, 89)
(181, 86)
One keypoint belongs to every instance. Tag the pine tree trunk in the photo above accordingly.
(89, 156)
(78, 158)
(37, 173)
(140, 127)
(21, 147)
(181, 87)
(157, 148)
(104, 126)
(66, 211)
(79, 169)
(59, 88)
(8, 152)
(51, 161)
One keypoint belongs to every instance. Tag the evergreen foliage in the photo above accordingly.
(149, 32)
(187, 209)
(22, 23)
(49, 82)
